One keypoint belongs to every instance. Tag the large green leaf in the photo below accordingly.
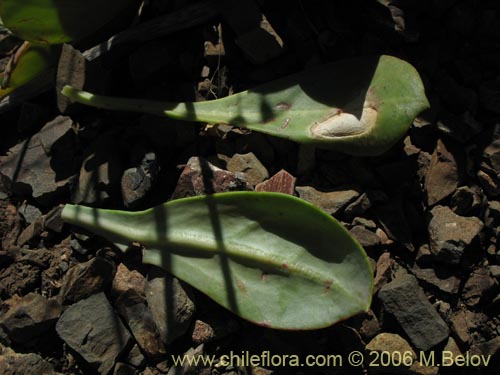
(59, 21)
(271, 258)
(361, 106)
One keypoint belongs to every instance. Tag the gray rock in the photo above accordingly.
(383, 271)
(12, 363)
(281, 182)
(124, 369)
(359, 206)
(53, 220)
(250, 166)
(463, 324)
(331, 202)
(126, 280)
(212, 328)
(29, 213)
(85, 279)
(450, 234)
(28, 317)
(446, 283)
(365, 237)
(489, 182)
(138, 317)
(495, 271)
(101, 171)
(392, 343)
(478, 287)
(491, 349)
(137, 182)
(43, 166)
(200, 177)
(135, 357)
(92, 329)
(405, 300)
(465, 200)
(442, 177)
(491, 154)
(171, 305)
(186, 368)
(30, 232)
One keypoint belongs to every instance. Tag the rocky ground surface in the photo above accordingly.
(427, 212)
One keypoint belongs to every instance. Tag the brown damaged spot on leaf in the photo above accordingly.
(282, 106)
(328, 285)
(241, 286)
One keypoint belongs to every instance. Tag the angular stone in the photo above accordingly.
(171, 305)
(29, 213)
(442, 178)
(135, 357)
(331, 202)
(200, 177)
(452, 346)
(370, 326)
(281, 182)
(28, 317)
(405, 300)
(43, 166)
(465, 200)
(126, 280)
(12, 363)
(392, 343)
(359, 206)
(488, 349)
(444, 282)
(250, 166)
(75, 70)
(489, 182)
(450, 234)
(202, 332)
(212, 328)
(364, 236)
(124, 369)
(495, 271)
(459, 326)
(383, 272)
(186, 367)
(478, 287)
(492, 155)
(92, 329)
(30, 232)
(53, 220)
(138, 317)
(85, 279)
(137, 181)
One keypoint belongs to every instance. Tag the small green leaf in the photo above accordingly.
(59, 21)
(36, 60)
(271, 258)
(360, 106)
